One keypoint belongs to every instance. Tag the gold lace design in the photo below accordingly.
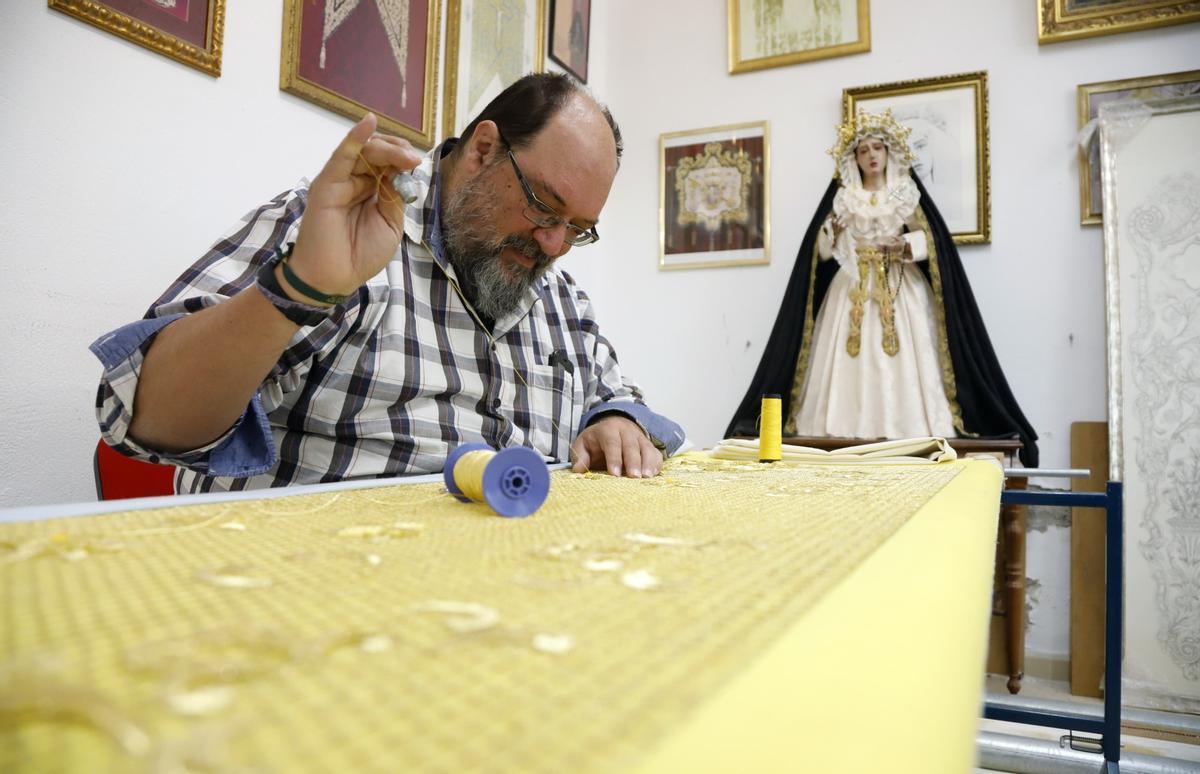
(943, 342)
(789, 427)
(876, 268)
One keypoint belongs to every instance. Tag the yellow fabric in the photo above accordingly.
(884, 673)
(397, 629)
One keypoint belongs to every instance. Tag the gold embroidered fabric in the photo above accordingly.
(397, 629)
(875, 270)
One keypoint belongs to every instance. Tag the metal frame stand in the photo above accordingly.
(1108, 727)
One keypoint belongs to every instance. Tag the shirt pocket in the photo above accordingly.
(555, 407)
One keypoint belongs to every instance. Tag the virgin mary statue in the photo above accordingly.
(879, 335)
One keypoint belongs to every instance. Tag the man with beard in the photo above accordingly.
(337, 333)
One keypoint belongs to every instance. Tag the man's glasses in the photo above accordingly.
(543, 215)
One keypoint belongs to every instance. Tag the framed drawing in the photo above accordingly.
(1151, 206)
(570, 34)
(188, 31)
(948, 116)
(1089, 98)
(351, 56)
(489, 45)
(770, 33)
(713, 201)
(1060, 20)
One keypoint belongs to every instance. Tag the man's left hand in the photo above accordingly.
(618, 443)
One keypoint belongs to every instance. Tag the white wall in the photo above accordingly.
(120, 166)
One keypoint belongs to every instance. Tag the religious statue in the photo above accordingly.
(879, 335)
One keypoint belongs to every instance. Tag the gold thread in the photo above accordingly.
(770, 439)
(468, 473)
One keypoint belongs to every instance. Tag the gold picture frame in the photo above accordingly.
(1089, 98)
(365, 79)
(461, 48)
(195, 42)
(791, 31)
(714, 201)
(949, 118)
(1059, 21)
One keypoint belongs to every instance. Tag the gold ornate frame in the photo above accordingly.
(207, 59)
(1090, 211)
(453, 43)
(1057, 23)
(290, 80)
(730, 129)
(977, 82)
(739, 65)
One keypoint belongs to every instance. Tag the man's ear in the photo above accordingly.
(482, 145)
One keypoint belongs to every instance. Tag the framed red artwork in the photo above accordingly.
(714, 201)
(188, 31)
(354, 56)
(570, 34)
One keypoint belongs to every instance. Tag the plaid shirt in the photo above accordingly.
(395, 378)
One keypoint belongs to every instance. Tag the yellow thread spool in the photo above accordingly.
(770, 433)
(468, 473)
(514, 481)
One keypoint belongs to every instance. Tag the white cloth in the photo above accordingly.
(904, 451)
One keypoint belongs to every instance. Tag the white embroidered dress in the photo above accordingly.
(874, 394)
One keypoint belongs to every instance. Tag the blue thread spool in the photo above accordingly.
(513, 482)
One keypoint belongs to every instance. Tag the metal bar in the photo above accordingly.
(1114, 576)
(1065, 720)
(1047, 472)
(1069, 499)
(1151, 720)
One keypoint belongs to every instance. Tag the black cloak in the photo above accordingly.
(987, 406)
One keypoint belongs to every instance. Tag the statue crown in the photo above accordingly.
(864, 124)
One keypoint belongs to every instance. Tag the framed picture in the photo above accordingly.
(1089, 98)
(188, 31)
(770, 33)
(490, 44)
(570, 33)
(713, 200)
(1060, 20)
(948, 116)
(354, 56)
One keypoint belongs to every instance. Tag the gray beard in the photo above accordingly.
(495, 290)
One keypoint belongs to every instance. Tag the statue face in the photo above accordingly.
(871, 155)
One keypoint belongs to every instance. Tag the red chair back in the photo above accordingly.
(119, 477)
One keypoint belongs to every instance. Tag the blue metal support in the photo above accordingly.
(1108, 727)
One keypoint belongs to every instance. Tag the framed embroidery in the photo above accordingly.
(771, 33)
(570, 35)
(713, 197)
(1151, 209)
(188, 31)
(948, 116)
(1060, 20)
(1089, 98)
(354, 56)
(490, 44)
